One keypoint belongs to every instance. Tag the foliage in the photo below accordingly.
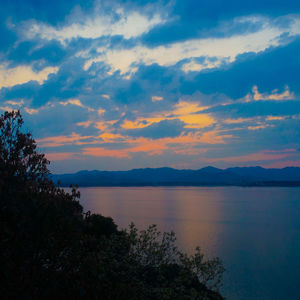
(51, 249)
(19, 160)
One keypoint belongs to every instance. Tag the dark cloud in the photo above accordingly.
(59, 120)
(257, 108)
(208, 18)
(67, 83)
(50, 12)
(48, 54)
(269, 70)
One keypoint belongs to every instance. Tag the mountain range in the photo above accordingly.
(208, 176)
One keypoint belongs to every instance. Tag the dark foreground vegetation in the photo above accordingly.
(51, 249)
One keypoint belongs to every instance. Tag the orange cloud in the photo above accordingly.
(151, 147)
(197, 120)
(107, 137)
(104, 125)
(56, 141)
(144, 122)
(75, 102)
(212, 137)
(135, 125)
(274, 118)
(237, 121)
(84, 124)
(186, 108)
(258, 127)
(187, 112)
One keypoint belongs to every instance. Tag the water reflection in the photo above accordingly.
(256, 231)
(193, 217)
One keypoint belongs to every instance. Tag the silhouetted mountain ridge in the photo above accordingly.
(208, 176)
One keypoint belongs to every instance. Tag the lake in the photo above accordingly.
(255, 231)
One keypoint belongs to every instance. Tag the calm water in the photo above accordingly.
(255, 231)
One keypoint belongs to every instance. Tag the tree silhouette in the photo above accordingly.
(18, 156)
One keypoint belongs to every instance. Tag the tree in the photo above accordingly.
(40, 223)
(19, 159)
(51, 249)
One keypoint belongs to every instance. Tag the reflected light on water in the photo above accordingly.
(193, 217)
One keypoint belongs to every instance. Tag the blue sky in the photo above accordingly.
(115, 85)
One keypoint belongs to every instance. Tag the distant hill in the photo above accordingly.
(208, 176)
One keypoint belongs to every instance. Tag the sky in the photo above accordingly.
(116, 85)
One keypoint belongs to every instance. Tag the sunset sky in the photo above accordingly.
(116, 85)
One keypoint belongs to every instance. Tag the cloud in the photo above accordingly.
(54, 119)
(156, 98)
(258, 127)
(10, 77)
(31, 111)
(84, 124)
(211, 18)
(15, 103)
(76, 102)
(126, 24)
(39, 54)
(206, 64)
(56, 141)
(60, 86)
(6, 108)
(275, 95)
(105, 96)
(216, 51)
(157, 130)
(188, 113)
(255, 109)
(272, 69)
(237, 121)
(275, 118)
